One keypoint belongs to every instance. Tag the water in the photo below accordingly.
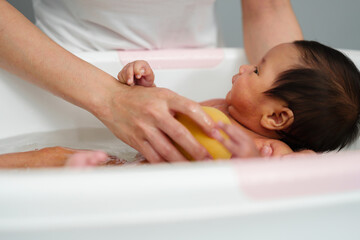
(80, 138)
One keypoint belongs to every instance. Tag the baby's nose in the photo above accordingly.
(246, 68)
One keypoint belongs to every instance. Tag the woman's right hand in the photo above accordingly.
(155, 120)
(144, 119)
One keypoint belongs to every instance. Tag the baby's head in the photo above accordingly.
(304, 93)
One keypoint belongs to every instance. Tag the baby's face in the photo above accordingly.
(246, 99)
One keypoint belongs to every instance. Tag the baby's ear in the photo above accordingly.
(277, 119)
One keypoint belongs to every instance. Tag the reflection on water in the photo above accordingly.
(80, 138)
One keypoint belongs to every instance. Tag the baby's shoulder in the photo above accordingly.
(218, 103)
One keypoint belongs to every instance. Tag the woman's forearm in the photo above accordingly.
(30, 54)
(267, 24)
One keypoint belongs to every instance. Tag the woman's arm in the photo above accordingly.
(267, 23)
(141, 117)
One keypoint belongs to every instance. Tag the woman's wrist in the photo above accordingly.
(101, 101)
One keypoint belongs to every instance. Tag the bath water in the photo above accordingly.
(79, 138)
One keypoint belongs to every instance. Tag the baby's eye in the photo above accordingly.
(256, 71)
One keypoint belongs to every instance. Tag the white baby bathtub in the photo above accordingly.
(305, 197)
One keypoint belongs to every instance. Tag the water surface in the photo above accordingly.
(80, 138)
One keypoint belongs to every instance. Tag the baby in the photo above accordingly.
(303, 93)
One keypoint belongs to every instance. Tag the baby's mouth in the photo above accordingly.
(234, 79)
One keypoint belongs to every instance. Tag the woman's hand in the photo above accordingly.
(144, 119)
(137, 73)
(148, 122)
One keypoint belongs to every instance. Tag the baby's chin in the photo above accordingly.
(228, 97)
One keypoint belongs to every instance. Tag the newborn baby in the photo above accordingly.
(247, 139)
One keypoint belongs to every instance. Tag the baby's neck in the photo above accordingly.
(223, 106)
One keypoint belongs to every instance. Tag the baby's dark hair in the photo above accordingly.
(323, 92)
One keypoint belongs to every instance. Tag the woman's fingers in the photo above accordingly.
(194, 111)
(164, 148)
(149, 153)
(167, 128)
(238, 143)
(181, 135)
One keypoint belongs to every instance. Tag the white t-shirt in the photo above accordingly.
(100, 25)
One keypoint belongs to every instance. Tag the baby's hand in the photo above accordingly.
(83, 159)
(137, 73)
(239, 143)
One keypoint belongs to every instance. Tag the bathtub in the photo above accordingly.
(300, 197)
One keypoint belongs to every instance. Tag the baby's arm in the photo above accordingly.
(53, 157)
(138, 72)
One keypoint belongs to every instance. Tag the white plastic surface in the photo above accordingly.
(180, 201)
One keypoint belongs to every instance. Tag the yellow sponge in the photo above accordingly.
(214, 147)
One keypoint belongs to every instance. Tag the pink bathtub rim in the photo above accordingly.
(299, 176)
(175, 58)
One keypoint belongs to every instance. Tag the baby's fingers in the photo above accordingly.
(126, 75)
(137, 73)
(144, 75)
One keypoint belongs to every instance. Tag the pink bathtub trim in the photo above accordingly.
(299, 176)
(175, 58)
